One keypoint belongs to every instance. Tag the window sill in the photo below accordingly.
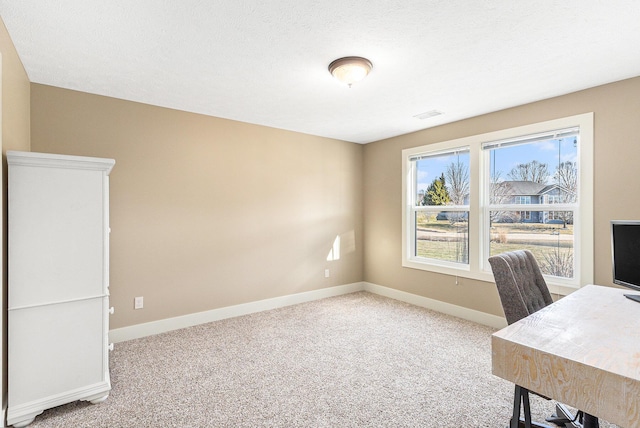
(558, 288)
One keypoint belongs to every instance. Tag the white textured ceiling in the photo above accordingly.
(265, 62)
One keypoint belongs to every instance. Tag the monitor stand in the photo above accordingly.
(634, 297)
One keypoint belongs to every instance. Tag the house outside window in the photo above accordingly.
(546, 166)
(554, 215)
(524, 215)
(553, 199)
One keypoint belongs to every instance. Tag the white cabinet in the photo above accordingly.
(58, 297)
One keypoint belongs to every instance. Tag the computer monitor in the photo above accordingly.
(625, 250)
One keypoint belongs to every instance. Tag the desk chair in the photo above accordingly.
(523, 291)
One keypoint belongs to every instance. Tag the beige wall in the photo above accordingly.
(207, 212)
(616, 110)
(15, 96)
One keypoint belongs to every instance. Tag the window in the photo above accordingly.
(552, 199)
(440, 206)
(554, 215)
(462, 201)
(523, 216)
(535, 165)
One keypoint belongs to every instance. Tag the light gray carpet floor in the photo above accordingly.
(358, 360)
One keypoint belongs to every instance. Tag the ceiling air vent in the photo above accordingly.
(428, 114)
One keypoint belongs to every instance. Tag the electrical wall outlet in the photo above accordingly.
(138, 302)
(326, 273)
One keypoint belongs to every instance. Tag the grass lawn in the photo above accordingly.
(551, 244)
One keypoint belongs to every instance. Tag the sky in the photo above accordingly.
(552, 152)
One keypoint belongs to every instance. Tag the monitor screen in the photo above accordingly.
(625, 248)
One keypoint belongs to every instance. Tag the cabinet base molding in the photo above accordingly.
(23, 414)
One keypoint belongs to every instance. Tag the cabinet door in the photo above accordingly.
(55, 349)
(56, 240)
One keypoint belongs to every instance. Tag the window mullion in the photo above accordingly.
(475, 213)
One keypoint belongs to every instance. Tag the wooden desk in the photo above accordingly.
(583, 351)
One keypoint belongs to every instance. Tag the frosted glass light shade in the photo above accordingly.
(350, 69)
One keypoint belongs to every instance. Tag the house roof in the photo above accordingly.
(267, 62)
(529, 188)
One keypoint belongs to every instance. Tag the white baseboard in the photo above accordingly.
(161, 326)
(436, 305)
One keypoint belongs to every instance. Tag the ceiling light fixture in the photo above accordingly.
(350, 69)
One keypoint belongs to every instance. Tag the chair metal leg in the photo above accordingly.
(564, 418)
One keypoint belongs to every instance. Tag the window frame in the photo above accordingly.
(526, 199)
(553, 199)
(478, 268)
(553, 216)
(414, 209)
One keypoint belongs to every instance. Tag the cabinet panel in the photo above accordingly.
(72, 338)
(69, 235)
